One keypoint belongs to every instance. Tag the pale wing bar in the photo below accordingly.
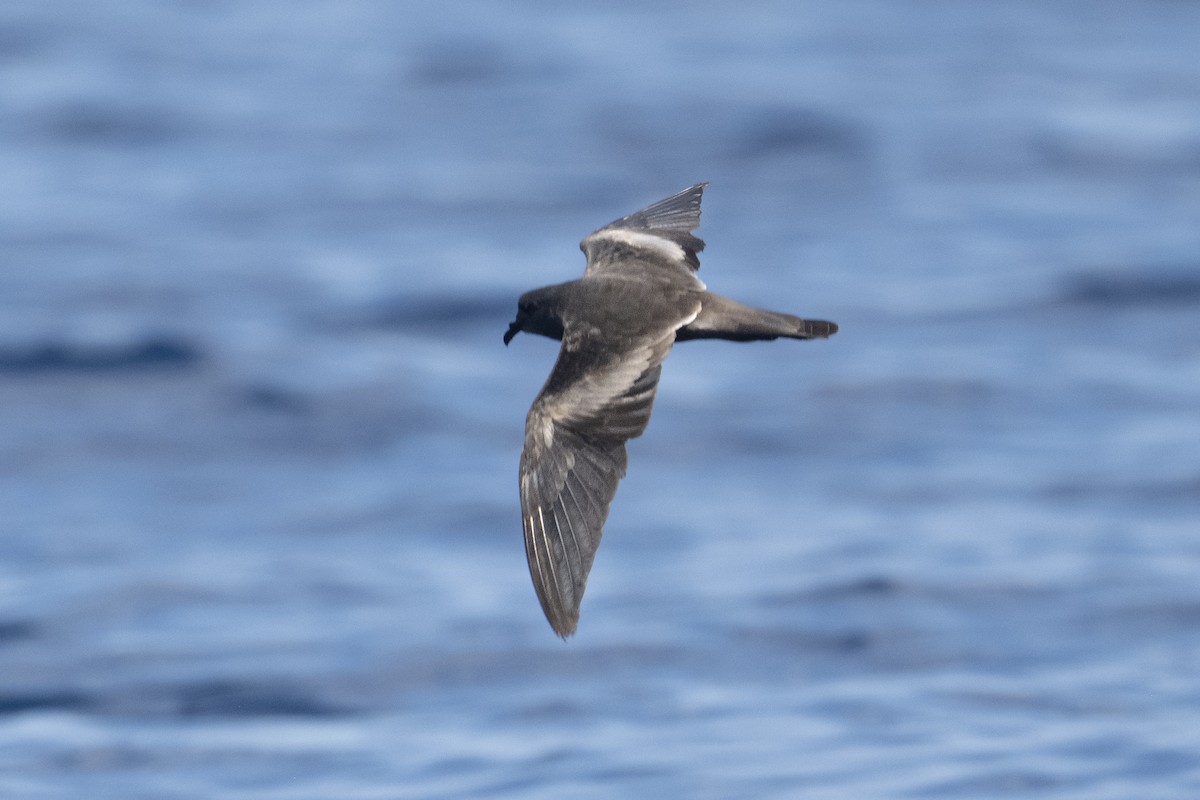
(574, 457)
(662, 230)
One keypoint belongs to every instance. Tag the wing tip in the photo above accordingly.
(560, 611)
(563, 620)
(679, 212)
(565, 629)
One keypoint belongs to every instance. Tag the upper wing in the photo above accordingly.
(594, 401)
(658, 236)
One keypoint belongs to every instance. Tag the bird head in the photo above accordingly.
(537, 312)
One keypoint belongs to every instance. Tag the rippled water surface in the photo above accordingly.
(260, 534)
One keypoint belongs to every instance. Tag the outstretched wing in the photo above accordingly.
(658, 237)
(595, 400)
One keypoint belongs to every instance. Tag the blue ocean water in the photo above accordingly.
(260, 533)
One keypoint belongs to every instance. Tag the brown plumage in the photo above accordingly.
(638, 295)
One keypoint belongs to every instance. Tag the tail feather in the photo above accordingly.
(722, 318)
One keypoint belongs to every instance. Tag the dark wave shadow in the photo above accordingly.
(150, 353)
(21, 702)
(439, 313)
(1169, 286)
(250, 699)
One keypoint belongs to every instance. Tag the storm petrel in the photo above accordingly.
(639, 294)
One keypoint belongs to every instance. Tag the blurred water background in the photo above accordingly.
(260, 533)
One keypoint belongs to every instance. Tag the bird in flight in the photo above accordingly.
(639, 294)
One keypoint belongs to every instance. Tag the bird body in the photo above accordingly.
(639, 295)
